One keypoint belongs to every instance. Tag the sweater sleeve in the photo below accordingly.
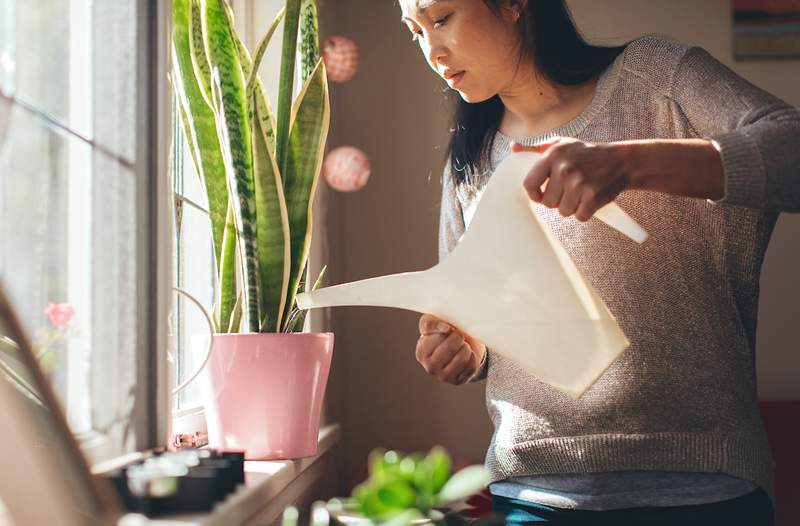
(451, 228)
(756, 134)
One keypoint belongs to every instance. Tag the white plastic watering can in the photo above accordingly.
(510, 284)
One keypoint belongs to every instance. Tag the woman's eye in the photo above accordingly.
(436, 25)
(440, 23)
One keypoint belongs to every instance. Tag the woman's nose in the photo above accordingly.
(435, 53)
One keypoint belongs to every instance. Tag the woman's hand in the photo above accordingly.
(581, 177)
(446, 353)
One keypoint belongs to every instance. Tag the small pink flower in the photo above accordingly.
(60, 314)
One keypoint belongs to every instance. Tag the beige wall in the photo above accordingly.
(393, 110)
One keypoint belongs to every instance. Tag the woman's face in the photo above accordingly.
(473, 48)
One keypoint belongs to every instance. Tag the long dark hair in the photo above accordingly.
(559, 52)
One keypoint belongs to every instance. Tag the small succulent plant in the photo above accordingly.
(403, 490)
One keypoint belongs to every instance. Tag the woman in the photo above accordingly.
(703, 160)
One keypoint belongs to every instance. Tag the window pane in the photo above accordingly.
(195, 276)
(38, 41)
(68, 203)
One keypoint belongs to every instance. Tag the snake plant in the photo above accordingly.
(259, 168)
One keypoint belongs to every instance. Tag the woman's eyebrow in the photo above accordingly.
(422, 5)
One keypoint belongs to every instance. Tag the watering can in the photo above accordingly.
(510, 284)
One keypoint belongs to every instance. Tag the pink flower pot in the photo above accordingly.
(263, 392)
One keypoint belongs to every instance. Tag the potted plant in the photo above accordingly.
(265, 380)
(405, 490)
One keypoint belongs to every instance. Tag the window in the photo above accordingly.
(79, 211)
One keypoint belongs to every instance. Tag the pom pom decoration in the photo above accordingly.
(346, 169)
(340, 55)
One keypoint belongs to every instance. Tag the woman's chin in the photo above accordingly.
(472, 97)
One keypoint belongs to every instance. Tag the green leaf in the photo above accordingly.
(463, 484)
(236, 316)
(268, 116)
(261, 48)
(423, 479)
(227, 296)
(286, 83)
(309, 132)
(234, 131)
(375, 462)
(397, 494)
(408, 466)
(300, 316)
(318, 282)
(199, 124)
(309, 38)
(373, 507)
(440, 467)
(197, 49)
(274, 263)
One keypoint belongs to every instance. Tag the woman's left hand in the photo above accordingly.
(581, 177)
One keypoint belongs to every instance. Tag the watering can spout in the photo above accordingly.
(395, 290)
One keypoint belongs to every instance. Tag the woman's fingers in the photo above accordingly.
(429, 324)
(445, 352)
(535, 179)
(470, 369)
(457, 366)
(570, 198)
(444, 357)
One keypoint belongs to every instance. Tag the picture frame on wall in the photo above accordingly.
(766, 29)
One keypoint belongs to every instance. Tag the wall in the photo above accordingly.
(394, 110)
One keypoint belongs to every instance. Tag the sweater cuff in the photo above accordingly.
(480, 374)
(745, 174)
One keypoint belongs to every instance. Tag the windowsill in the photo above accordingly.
(260, 497)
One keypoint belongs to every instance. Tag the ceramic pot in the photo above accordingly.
(263, 392)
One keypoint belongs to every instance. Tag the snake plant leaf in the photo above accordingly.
(286, 82)
(199, 124)
(247, 68)
(309, 132)
(309, 38)
(262, 48)
(298, 317)
(197, 51)
(226, 281)
(273, 224)
(271, 216)
(236, 316)
(232, 126)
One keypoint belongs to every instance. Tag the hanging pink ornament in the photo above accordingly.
(346, 169)
(340, 55)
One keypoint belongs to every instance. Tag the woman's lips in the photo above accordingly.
(455, 79)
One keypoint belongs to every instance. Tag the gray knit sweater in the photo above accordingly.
(682, 397)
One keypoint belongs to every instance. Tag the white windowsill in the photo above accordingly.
(265, 481)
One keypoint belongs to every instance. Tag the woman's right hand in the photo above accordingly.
(447, 353)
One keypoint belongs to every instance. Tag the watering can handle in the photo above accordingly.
(194, 375)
